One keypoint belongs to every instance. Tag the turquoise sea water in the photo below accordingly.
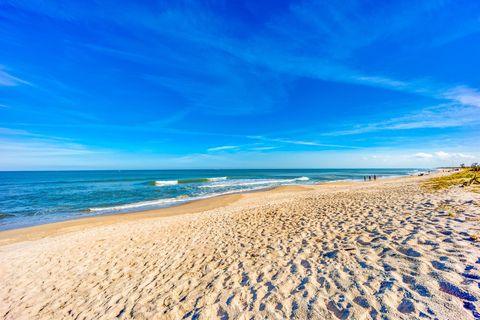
(32, 198)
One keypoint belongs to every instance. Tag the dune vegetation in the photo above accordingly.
(466, 177)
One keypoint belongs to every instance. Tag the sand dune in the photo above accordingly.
(379, 250)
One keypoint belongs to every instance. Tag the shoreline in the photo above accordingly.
(35, 232)
(40, 231)
(22, 223)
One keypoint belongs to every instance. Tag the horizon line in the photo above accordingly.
(191, 169)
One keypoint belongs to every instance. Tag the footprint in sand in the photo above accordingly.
(406, 306)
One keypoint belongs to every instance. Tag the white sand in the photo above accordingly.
(346, 250)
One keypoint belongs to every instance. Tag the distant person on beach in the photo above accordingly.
(374, 177)
(369, 178)
(365, 178)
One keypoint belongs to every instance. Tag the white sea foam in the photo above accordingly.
(251, 185)
(162, 183)
(241, 183)
(166, 183)
(134, 205)
(162, 202)
(217, 179)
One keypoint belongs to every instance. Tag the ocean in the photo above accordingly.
(30, 198)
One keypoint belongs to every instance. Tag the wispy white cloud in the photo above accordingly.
(464, 95)
(222, 148)
(445, 115)
(48, 154)
(279, 143)
(300, 142)
(7, 80)
(383, 82)
(168, 119)
(456, 155)
(15, 132)
(423, 155)
(442, 155)
(25, 134)
(11, 149)
(17, 143)
(263, 148)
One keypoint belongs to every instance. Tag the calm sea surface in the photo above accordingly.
(32, 198)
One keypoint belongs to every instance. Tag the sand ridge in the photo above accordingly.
(379, 250)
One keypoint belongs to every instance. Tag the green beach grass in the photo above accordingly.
(466, 177)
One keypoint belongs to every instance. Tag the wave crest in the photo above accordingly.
(162, 183)
(255, 182)
(161, 202)
(166, 183)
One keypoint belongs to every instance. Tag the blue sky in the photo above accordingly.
(238, 84)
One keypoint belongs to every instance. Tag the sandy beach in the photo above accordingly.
(388, 249)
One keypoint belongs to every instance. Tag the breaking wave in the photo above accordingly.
(161, 183)
(162, 202)
(253, 182)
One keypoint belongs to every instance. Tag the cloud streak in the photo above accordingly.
(7, 80)
(17, 143)
(300, 142)
(464, 95)
(441, 155)
(222, 148)
(441, 116)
